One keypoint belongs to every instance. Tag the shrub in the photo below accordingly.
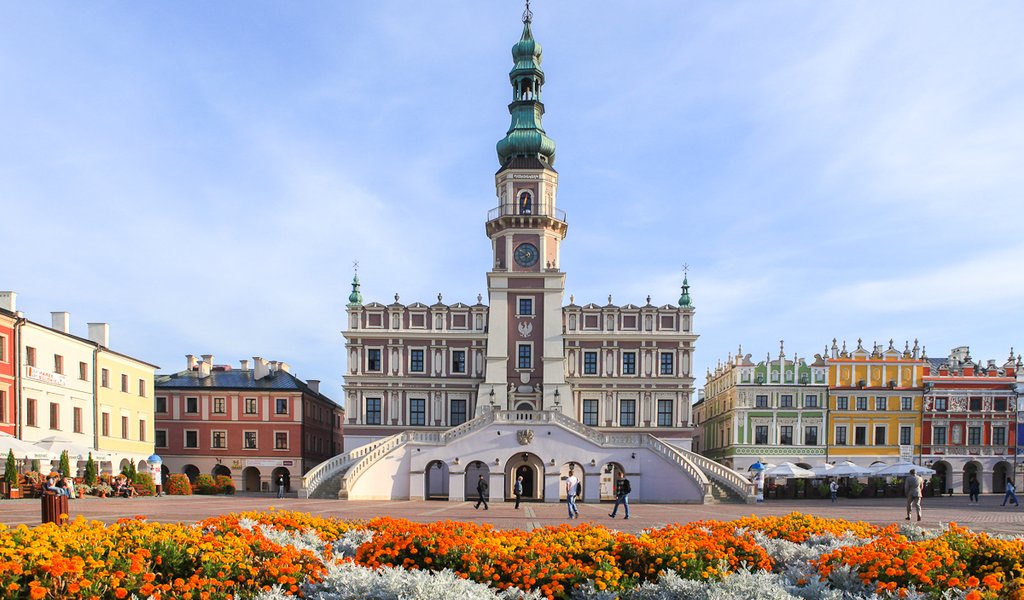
(129, 470)
(10, 471)
(90, 470)
(144, 484)
(102, 489)
(65, 465)
(178, 485)
(205, 485)
(225, 485)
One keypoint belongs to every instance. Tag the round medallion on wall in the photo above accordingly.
(526, 255)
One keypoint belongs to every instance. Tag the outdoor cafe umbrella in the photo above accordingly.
(849, 469)
(55, 446)
(21, 448)
(823, 470)
(902, 469)
(789, 471)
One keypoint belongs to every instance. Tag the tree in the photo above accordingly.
(90, 471)
(129, 470)
(11, 471)
(65, 464)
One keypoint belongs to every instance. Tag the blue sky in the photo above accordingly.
(202, 175)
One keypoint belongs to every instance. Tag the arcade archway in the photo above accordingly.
(530, 467)
(436, 481)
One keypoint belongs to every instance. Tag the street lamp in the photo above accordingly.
(491, 395)
(558, 398)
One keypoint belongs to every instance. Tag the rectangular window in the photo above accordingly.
(786, 401)
(525, 356)
(160, 438)
(590, 363)
(666, 363)
(83, 371)
(280, 406)
(416, 361)
(161, 404)
(906, 403)
(58, 364)
(373, 360)
(811, 435)
(30, 356)
(905, 436)
(458, 413)
(417, 411)
(373, 411)
(54, 415)
(843, 403)
(219, 439)
(142, 430)
(786, 435)
(860, 436)
(192, 405)
(458, 361)
(3, 348)
(124, 383)
(142, 388)
(664, 413)
(975, 404)
(941, 403)
(761, 401)
(974, 436)
(281, 440)
(30, 418)
(105, 378)
(999, 404)
(999, 436)
(760, 434)
(841, 435)
(879, 435)
(219, 406)
(124, 428)
(939, 436)
(250, 406)
(627, 413)
(191, 439)
(862, 402)
(77, 419)
(629, 363)
(525, 306)
(880, 403)
(249, 438)
(811, 401)
(3, 406)
(105, 425)
(590, 412)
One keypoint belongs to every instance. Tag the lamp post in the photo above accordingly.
(558, 399)
(491, 395)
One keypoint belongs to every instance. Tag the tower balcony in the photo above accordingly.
(530, 216)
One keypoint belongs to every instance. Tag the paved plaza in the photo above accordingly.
(988, 515)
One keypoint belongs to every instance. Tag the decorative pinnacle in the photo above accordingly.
(527, 14)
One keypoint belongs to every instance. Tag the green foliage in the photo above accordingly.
(35, 465)
(90, 470)
(178, 485)
(65, 465)
(144, 484)
(856, 488)
(205, 485)
(823, 490)
(10, 470)
(129, 471)
(225, 485)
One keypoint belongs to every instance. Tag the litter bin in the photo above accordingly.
(54, 505)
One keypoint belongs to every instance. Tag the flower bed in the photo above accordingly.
(277, 554)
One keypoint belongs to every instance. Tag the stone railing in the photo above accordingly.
(728, 477)
(676, 455)
(468, 427)
(335, 464)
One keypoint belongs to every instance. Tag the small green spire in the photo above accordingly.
(355, 298)
(684, 299)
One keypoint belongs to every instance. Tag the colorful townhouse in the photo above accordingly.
(254, 423)
(875, 401)
(772, 411)
(969, 420)
(8, 363)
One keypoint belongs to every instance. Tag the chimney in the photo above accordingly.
(208, 358)
(273, 367)
(100, 333)
(206, 366)
(260, 368)
(9, 301)
(191, 362)
(284, 367)
(314, 384)
(245, 364)
(61, 321)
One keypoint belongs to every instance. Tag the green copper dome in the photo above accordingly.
(355, 297)
(684, 299)
(526, 136)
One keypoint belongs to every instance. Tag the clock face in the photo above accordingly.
(527, 255)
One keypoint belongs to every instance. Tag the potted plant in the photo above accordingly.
(82, 489)
(102, 489)
(856, 489)
(823, 490)
(11, 477)
(90, 471)
(801, 488)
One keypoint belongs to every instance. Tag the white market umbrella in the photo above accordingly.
(902, 470)
(21, 448)
(788, 470)
(55, 446)
(823, 470)
(849, 469)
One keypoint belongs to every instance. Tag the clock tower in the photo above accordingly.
(525, 365)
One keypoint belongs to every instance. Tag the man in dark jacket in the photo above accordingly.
(481, 492)
(622, 490)
(517, 489)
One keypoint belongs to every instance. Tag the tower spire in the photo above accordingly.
(355, 298)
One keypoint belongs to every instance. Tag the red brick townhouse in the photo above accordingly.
(252, 424)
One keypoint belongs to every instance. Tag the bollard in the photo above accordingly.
(54, 505)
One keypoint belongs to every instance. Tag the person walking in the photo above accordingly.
(622, 490)
(481, 493)
(974, 488)
(517, 489)
(913, 489)
(572, 489)
(1011, 493)
(833, 490)
(280, 486)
